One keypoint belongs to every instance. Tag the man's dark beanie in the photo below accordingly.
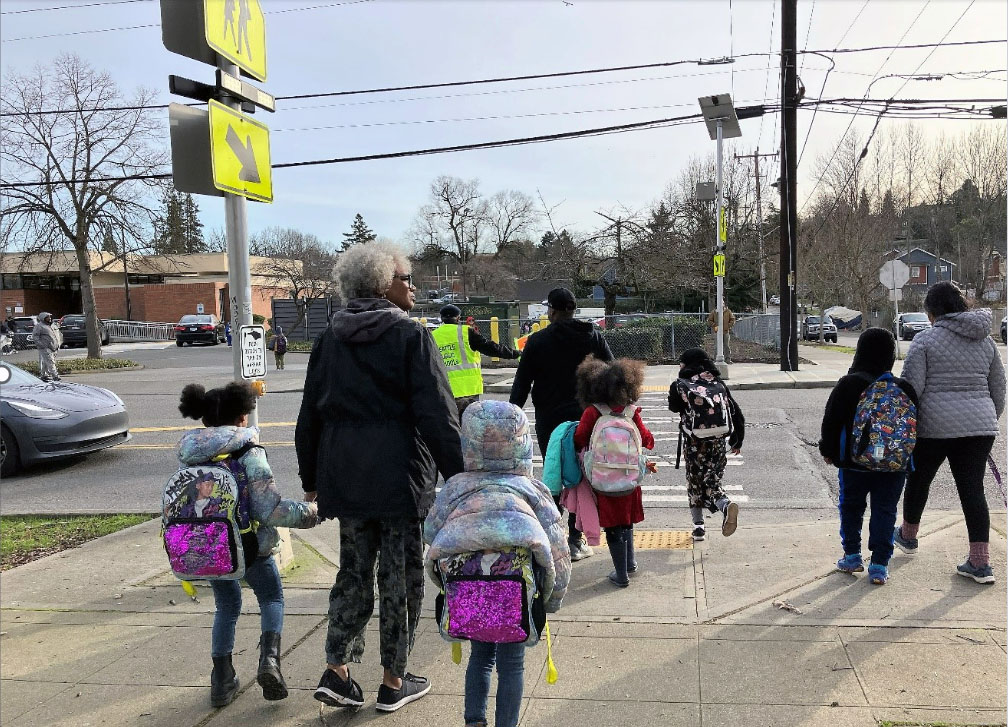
(450, 311)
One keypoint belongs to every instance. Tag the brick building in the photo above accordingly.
(159, 288)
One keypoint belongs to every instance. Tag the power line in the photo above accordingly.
(766, 80)
(836, 151)
(822, 90)
(70, 7)
(808, 31)
(153, 25)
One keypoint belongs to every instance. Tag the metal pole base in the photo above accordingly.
(722, 368)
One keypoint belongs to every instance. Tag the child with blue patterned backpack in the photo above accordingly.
(869, 431)
(220, 514)
(499, 555)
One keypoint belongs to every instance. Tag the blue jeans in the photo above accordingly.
(885, 489)
(264, 580)
(510, 660)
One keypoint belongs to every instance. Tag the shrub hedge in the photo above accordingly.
(76, 365)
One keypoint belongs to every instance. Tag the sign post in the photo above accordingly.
(223, 151)
(894, 274)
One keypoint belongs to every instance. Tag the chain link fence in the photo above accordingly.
(763, 329)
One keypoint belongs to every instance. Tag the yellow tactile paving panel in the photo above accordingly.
(663, 540)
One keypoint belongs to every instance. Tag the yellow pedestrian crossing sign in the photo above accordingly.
(240, 154)
(719, 265)
(236, 29)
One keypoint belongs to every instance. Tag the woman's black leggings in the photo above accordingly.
(967, 458)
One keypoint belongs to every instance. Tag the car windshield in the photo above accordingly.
(915, 318)
(812, 319)
(18, 377)
(828, 321)
(30, 321)
(194, 319)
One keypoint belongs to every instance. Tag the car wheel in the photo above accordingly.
(105, 341)
(10, 458)
(179, 343)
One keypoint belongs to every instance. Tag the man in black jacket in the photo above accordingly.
(547, 369)
(377, 424)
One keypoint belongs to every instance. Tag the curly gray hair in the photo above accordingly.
(366, 270)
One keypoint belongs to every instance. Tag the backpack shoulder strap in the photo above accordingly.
(603, 409)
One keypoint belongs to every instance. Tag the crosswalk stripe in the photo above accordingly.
(684, 498)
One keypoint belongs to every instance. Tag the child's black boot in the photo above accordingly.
(631, 559)
(618, 552)
(269, 677)
(223, 682)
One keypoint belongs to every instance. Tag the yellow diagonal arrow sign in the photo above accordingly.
(240, 152)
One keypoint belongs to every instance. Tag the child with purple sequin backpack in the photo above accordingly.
(220, 514)
(499, 555)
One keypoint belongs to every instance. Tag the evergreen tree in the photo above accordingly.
(359, 232)
(177, 229)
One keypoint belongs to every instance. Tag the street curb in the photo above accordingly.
(740, 386)
(138, 367)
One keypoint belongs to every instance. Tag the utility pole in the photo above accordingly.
(759, 220)
(789, 186)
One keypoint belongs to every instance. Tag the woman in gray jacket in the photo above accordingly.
(957, 372)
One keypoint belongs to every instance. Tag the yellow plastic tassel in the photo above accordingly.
(456, 652)
(190, 589)
(551, 671)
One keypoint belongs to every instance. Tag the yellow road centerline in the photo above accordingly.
(147, 430)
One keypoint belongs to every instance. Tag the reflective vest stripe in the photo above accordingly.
(461, 361)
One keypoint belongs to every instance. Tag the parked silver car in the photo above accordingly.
(43, 421)
(810, 329)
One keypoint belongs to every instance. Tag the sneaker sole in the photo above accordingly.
(906, 549)
(731, 520)
(851, 571)
(698, 538)
(986, 580)
(331, 698)
(402, 702)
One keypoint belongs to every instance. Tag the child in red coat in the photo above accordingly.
(617, 385)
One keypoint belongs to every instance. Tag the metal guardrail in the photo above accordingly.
(128, 331)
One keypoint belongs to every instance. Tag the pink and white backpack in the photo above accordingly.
(614, 462)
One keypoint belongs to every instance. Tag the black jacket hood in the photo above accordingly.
(876, 352)
(364, 320)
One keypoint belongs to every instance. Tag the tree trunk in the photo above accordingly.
(88, 300)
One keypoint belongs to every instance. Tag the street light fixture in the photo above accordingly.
(722, 123)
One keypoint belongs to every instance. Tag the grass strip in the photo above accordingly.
(24, 538)
(76, 365)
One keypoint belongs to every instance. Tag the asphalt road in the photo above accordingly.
(779, 469)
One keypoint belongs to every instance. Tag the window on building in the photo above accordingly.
(146, 279)
(915, 271)
(12, 282)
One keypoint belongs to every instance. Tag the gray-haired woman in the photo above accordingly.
(377, 423)
(957, 372)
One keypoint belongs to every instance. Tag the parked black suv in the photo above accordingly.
(198, 327)
(74, 330)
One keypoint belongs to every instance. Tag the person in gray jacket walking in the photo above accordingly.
(957, 372)
(48, 340)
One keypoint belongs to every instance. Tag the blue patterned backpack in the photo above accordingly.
(885, 428)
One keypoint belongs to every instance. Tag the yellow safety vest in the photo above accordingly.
(462, 362)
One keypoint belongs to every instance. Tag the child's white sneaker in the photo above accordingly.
(699, 532)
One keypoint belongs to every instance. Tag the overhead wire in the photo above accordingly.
(766, 80)
(822, 90)
(836, 151)
(76, 6)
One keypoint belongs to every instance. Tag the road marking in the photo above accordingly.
(146, 430)
(175, 446)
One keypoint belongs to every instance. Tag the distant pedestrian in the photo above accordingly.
(227, 332)
(709, 415)
(548, 369)
(729, 323)
(48, 340)
(279, 348)
(956, 370)
(869, 432)
(224, 413)
(460, 347)
(487, 523)
(609, 392)
(377, 424)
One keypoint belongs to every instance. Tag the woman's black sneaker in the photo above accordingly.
(336, 692)
(413, 687)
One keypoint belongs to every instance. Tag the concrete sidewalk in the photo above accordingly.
(827, 367)
(756, 629)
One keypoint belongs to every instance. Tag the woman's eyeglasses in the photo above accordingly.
(407, 278)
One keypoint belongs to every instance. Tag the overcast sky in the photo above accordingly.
(317, 46)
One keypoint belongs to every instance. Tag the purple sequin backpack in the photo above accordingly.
(205, 523)
(490, 596)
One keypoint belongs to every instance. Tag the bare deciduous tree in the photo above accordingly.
(299, 262)
(70, 178)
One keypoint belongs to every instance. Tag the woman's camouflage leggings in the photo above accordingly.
(706, 460)
(398, 548)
